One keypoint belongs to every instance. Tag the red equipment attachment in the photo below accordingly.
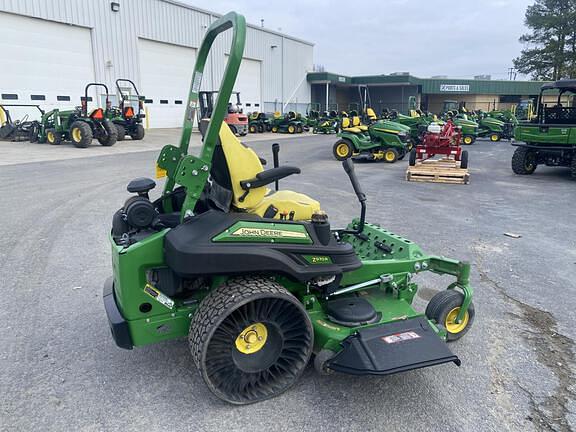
(447, 143)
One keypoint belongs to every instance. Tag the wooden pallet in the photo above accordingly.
(438, 171)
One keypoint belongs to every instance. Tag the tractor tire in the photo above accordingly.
(233, 129)
(34, 131)
(138, 133)
(524, 161)
(291, 129)
(468, 140)
(444, 307)
(53, 137)
(268, 128)
(299, 129)
(464, 159)
(391, 155)
(274, 129)
(81, 134)
(260, 128)
(495, 137)
(250, 340)
(412, 157)
(252, 129)
(120, 132)
(342, 149)
(111, 136)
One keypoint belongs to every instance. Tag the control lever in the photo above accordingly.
(275, 151)
(349, 168)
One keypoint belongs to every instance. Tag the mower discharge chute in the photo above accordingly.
(257, 279)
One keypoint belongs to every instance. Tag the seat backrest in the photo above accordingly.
(371, 114)
(345, 122)
(356, 121)
(243, 164)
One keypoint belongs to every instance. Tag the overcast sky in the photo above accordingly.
(425, 38)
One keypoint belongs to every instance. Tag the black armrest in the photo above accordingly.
(269, 176)
(262, 161)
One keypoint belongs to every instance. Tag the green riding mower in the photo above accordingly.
(78, 125)
(328, 123)
(468, 127)
(259, 122)
(417, 122)
(550, 137)
(493, 128)
(382, 140)
(130, 111)
(288, 123)
(257, 280)
(312, 115)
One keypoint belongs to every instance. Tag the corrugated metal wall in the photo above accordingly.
(285, 60)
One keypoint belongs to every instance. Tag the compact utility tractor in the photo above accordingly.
(440, 140)
(79, 125)
(235, 118)
(549, 138)
(383, 140)
(259, 122)
(257, 279)
(22, 129)
(130, 111)
(287, 123)
(328, 123)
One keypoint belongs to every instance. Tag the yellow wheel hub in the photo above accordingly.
(467, 140)
(342, 150)
(389, 156)
(252, 338)
(291, 129)
(451, 325)
(494, 137)
(51, 137)
(77, 134)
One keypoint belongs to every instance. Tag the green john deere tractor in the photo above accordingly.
(78, 125)
(550, 138)
(417, 122)
(382, 140)
(327, 123)
(130, 111)
(257, 280)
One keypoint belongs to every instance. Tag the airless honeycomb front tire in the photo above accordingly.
(250, 340)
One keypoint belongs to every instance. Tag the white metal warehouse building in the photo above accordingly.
(52, 48)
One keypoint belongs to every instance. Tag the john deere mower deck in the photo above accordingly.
(257, 279)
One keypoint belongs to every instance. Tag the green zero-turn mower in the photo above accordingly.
(257, 280)
(382, 140)
(550, 137)
(128, 115)
(327, 123)
(78, 125)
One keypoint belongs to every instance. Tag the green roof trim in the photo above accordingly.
(434, 85)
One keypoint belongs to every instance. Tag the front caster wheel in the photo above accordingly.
(444, 307)
(250, 339)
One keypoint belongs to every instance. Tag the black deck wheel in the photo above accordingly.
(250, 339)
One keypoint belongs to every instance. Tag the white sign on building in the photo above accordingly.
(455, 88)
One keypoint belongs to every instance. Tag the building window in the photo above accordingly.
(63, 98)
(163, 101)
(247, 105)
(256, 105)
(509, 99)
(149, 101)
(178, 102)
(37, 97)
(89, 99)
(10, 96)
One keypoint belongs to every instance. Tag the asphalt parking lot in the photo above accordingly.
(60, 369)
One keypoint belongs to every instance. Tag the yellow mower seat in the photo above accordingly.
(244, 164)
(346, 125)
(356, 122)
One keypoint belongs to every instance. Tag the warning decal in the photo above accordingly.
(158, 296)
(400, 337)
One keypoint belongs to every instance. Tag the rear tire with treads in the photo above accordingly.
(279, 353)
(524, 161)
(120, 132)
(111, 136)
(81, 134)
